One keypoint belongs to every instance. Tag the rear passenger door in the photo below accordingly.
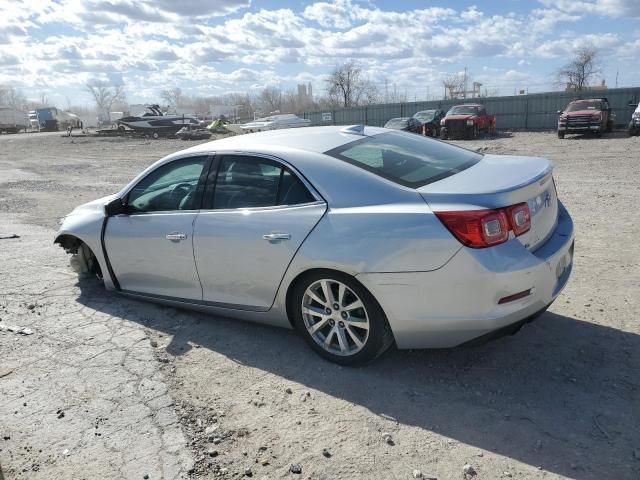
(257, 212)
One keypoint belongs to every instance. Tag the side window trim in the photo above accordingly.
(200, 187)
(210, 187)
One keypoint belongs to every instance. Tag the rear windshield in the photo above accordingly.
(425, 116)
(396, 123)
(405, 158)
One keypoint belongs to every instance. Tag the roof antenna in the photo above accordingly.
(354, 130)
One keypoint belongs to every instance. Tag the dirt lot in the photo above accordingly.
(109, 388)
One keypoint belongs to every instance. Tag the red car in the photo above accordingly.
(467, 121)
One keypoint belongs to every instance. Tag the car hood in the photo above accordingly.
(458, 117)
(92, 206)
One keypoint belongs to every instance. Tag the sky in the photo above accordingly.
(212, 47)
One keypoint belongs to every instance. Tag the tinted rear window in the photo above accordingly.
(425, 116)
(408, 159)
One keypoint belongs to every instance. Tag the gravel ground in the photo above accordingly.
(108, 387)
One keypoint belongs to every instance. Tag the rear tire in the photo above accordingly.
(339, 318)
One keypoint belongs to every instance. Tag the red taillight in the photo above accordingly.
(485, 228)
(477, 228)
(519, 218)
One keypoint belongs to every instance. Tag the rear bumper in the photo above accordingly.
(459, 301)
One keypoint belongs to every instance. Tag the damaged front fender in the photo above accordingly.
(83, 229)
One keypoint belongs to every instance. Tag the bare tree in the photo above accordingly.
(270, 99)
(11, 97)
(578, 72)
(105, 97)
(453, 85)
(173, 96)
(348, 85)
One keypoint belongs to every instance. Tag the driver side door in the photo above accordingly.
(150, 245)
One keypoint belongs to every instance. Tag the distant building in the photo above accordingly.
(305, 93)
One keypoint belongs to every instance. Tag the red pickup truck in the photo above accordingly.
(593, 115)
(467, 121)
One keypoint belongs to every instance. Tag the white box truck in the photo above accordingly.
(12, 120)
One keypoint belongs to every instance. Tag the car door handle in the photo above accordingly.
(274, 237)
(176, 237)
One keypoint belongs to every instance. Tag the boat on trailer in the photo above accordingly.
(155, 123)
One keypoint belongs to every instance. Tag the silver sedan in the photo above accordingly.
(358, 237)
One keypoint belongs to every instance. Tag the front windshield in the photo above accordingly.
(405, 158)
(463, 110)
(577, 106)
(425, 116)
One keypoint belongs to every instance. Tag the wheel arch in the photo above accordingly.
(69, 242)
(300, 276)
(71, 237)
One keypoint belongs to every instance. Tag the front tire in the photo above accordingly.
(561, 135)
(339, 318)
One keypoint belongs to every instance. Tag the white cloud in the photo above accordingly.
(153, 43)
(609, 8)
(566, 47)
(339, 14)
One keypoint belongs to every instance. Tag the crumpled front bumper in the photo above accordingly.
(459, 301)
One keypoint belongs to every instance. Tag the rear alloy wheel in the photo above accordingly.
(340, 319)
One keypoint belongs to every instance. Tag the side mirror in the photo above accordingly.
(114, 207)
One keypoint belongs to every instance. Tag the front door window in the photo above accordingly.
(170, 187)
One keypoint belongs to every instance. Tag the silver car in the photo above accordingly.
(358, 237)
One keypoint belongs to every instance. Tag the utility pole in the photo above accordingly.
(617, 71)
(464, 94)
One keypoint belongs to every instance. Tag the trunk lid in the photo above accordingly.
(499, 181)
